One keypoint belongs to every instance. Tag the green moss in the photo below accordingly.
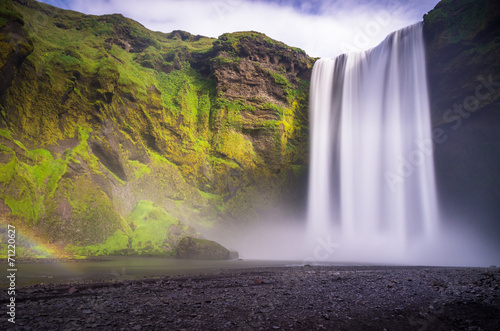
(233, 145)
(215, 200)
(77, 91)
(460, 27)
(6, 134)
(30, 184)
(157, 158)
(21, 253)
(233, 41)
(90, 215)
(217, 162)
(8, 12)
(41, 252)
(91, 78)
(186, 92)
(68, 62)
(116, 244)
(151, 229)
(19, 191)
(280, 80)
(83, 151)
(226, 60)
(140, 169)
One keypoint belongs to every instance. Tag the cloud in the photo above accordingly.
(323, 28)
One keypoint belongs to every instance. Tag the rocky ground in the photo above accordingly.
(292, 298)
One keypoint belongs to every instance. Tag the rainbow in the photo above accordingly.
(30, 246)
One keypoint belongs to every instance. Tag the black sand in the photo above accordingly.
(291, 298)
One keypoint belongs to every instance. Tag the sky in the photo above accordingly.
(323, 28)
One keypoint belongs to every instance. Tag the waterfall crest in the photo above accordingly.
(371, 182)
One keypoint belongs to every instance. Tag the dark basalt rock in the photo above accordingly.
(201, 249)
(462, 45)
(15, 47)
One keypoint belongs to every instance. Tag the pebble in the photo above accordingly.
(272, 298)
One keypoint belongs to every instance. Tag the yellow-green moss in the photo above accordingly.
(116, 244)
(140, 168)
(151, 229)
(234, 145)
(182, 143)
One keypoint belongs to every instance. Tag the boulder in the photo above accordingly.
(201, 249)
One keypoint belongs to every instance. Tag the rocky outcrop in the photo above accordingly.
(252, 66)
(15, 46)
(264, 86)
(462, 40)
(102, 118)
(201, 249)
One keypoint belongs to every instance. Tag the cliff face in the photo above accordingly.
(463, 43)
(463, 47)
(115, 139)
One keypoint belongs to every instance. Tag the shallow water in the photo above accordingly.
(126, 268)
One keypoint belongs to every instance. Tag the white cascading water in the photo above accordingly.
(372, 186)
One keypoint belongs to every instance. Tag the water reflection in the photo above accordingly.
(126, 268)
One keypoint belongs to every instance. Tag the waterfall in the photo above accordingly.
(371, 182)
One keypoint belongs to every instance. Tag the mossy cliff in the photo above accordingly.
(463, 48)
(118, 140)
(463, 43)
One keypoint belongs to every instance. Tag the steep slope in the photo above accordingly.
(463, 41)
(463, 47)
(116, 139)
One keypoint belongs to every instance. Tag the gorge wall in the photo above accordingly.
(463, 48)
(116, 139)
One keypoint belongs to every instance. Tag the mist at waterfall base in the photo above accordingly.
(372, 192)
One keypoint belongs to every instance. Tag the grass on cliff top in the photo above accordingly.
(8, 13)
(75, 51)
(233, 41)
(87, 45)
(460, 27)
